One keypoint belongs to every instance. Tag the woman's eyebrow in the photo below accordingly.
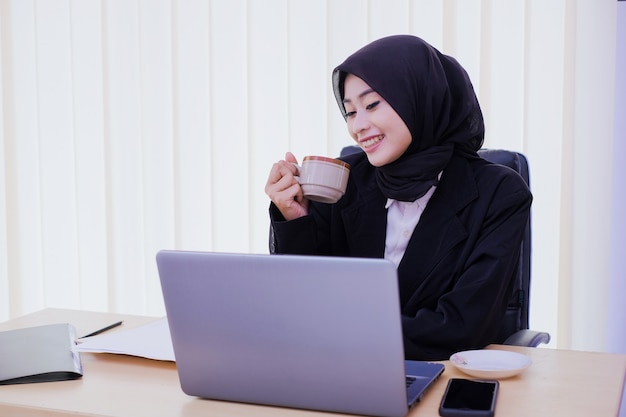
(363, 94)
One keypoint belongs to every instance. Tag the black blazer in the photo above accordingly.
(456, 276)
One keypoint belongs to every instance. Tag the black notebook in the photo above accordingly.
(39, 354)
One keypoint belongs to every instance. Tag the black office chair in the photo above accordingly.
(515, 329)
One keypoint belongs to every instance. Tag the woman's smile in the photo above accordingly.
(368, 142)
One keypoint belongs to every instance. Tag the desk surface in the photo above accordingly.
(558, 383)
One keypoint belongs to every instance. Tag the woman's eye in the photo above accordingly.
(372, 105)
(350, 113)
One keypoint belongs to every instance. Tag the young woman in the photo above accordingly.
(418, 195)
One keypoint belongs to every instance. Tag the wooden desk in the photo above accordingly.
(559, 383)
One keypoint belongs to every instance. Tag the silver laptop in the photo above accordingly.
(320, 333)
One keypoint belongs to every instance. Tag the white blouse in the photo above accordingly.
(402, 217)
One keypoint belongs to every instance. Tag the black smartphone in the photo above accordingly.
(469, 398)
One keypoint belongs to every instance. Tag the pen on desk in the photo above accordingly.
(104, 329)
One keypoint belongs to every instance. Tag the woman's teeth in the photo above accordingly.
(371, 141)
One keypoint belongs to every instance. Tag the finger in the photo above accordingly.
(288, 168)
(280, 181)
(289, 157)
(275, 174)
(281, 169)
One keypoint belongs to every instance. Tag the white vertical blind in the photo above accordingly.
(592, 143)
(544, 142)
(503, 67)
(192, 188)
(53, 101)
(4, 232)
(88, 137)
(155, 42)
(230, 156)
(462, 35)
(126, 152)
(25, 236)
(130, 126)
(617, 283)
(268, 94)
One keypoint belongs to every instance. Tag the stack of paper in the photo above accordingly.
(148, 341)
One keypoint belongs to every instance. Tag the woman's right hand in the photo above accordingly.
(284, 190)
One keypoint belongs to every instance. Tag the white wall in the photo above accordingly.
(129, 126)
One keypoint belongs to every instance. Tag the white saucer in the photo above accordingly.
(490, 364)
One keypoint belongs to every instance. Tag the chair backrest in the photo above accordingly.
(517, 312)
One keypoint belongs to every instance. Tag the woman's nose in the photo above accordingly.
(360, 122)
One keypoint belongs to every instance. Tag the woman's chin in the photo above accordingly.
(376, 161)
(379, 158)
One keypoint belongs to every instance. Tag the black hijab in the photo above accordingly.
(434, 97)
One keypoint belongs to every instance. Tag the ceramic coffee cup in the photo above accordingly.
(323, 179)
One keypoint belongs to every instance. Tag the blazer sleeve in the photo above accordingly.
(299, 236)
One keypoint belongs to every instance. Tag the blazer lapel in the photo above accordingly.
(366, 222)
(365, 218)
(439, 228)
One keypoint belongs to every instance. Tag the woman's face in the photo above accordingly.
(373, 123)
